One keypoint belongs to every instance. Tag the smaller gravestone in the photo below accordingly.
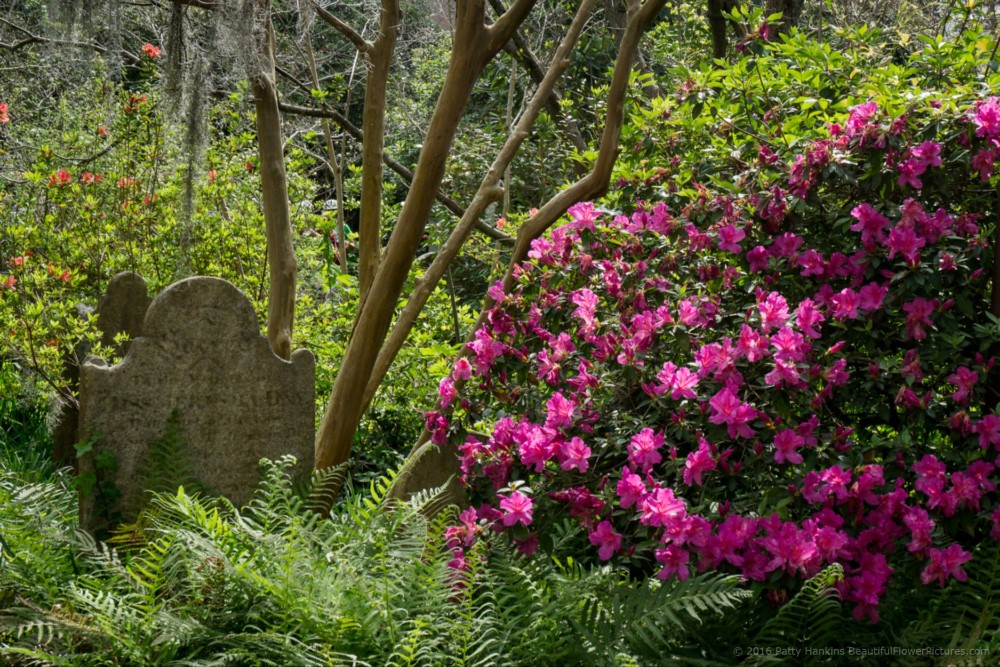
(120, 310)
(199, 398)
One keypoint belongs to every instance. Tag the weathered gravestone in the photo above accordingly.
(199, 395)
(120, 310)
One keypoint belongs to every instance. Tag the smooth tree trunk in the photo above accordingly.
(430, 466)
(489, 192)
(474, 45)
(378, 59)
(274, 185)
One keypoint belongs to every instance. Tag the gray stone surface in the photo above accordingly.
(120, 310)
(202, 375)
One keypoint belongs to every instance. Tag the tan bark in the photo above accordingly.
(378, 58)
(417, 475)
(277, 218)
(489, 191)
(519, 48)
(405, 173)
(474, 45)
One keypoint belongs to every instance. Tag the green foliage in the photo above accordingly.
(630, 623)
(201, 582)
(813, 617)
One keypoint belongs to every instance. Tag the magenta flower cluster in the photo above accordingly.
(762, 383)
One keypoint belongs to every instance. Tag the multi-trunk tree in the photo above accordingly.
(381, 327)
(294, 54)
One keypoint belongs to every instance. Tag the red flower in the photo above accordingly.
(152, 51)
(3, 113)
(61, 177)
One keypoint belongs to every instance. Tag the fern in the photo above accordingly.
(653, 618)
(813, 617)
(963, 616)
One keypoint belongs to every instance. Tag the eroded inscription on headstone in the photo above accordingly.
(200, 391)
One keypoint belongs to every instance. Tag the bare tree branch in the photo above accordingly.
(519, 48)
(489, 192)
(473, 47)
(360, 43)
(378, 60)
(426, 467)
(507, 24)
(32, 38)
(404, 172)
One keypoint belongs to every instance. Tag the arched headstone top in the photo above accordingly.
(203, 379)
(201, 309)
(122, 308)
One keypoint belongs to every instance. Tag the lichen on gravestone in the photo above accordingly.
(200, 376)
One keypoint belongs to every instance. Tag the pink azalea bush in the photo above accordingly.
(763, 382)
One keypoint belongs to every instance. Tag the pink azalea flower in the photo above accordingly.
(586, 302)
(630, 489)
(859, 117)
(983, 162)
(517, 508)
(785, 373)
(988, 429)
(674, 560)
(583, 215)
(606, 539)
(559, 411)
(786, 245)
(929, 152)
(535, 445)
(964, 379)
(462, 369)
(946, 563)
(845, 304)
(574, 454)
(729, 238)
(904, 241)
(728, 409)
(773, 311)
(812, 263)
(921, 526)
(918, 315)
(752, 345)
(698, 462)
(791, 549)
(872, 295)
(446, 391)
(684, 383)
(786, 445)
(758, 258)
(870, 223)
(486, 350)
(909, 172)
(642, 449)
(660, 507)
(987, 118)
(807, 317)
(789, 345)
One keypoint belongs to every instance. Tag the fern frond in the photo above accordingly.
(814, 617)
